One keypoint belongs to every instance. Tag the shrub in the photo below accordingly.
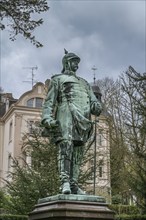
(117, 199)
(13, 217)
(131, 217)
(125, 209)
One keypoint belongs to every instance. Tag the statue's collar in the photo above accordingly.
(70, 73)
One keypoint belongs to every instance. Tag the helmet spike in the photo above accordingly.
(65, 51)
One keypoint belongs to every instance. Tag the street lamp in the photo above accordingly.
(95, 140)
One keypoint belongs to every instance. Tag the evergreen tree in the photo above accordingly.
(29, 182)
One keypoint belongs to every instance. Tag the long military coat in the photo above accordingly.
(71, 101)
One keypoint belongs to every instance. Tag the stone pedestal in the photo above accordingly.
(71, 207)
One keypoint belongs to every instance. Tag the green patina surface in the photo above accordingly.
(72, 197)
(66, 117)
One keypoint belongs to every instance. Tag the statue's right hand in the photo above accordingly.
(52, 129)
(50, 124)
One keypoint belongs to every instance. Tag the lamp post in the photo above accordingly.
(95, 140)
(95, 152)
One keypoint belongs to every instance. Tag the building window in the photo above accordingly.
(100, 138)
(91, 169)
(101, 168)
(33, 126)
(10, 130)
(38, 102)
(28, 158)
(30, 125)
(100, 171)
(24, 158)
(35, 102)
(9, 162)
(30, 103)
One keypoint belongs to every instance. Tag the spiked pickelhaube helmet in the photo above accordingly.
(67, 57)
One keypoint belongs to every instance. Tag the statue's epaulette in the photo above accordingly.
(56, 75)
(83, 79)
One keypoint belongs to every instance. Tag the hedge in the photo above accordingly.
(13, 217)
(125, 209)
(131, 217)
(120, 217)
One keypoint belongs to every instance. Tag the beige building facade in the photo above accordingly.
(100, 182)
(23, 113)
(17, 121)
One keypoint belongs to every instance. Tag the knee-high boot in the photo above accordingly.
(65, 154)
(77, 157)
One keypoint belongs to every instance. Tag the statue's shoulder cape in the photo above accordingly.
(67, 77)
(56, 75)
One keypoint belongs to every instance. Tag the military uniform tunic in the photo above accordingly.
(74, 102)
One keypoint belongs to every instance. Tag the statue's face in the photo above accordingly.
(74, 64)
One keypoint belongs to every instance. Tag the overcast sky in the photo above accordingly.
(110, 35)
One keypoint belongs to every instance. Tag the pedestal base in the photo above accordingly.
(71, 207)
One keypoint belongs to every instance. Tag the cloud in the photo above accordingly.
(107, 34)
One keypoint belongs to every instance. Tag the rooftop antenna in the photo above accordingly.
(94, 69)
(32, 74)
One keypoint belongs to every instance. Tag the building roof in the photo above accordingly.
(97, 91)
(6, 100)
